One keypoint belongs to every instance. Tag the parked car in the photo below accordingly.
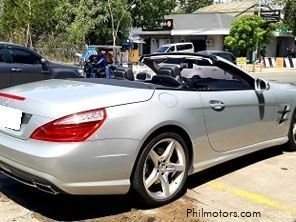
(224, 54)
(20, 65)
(176, 47)
(107, 136)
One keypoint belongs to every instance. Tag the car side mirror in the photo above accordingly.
(45, 68)
(43, 61)
(261, 85)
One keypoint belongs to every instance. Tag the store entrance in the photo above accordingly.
(199, 45)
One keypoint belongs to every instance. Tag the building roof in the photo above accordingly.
(235, 8)
(201, 24)
(195, 24)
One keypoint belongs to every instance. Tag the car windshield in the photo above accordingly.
(88, 52)
(162, 49)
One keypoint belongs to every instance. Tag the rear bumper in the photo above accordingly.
(29, 179)
(94, 167)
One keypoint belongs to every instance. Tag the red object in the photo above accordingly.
(10, 96)
(73, 128)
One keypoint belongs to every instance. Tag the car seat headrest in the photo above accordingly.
(169, 70)
(124, 73)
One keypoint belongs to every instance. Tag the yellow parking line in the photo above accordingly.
(256, 198)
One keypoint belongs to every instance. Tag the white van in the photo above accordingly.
(176, 47)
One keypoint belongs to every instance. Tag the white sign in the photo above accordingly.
(10, 118)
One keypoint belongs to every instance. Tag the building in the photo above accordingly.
(204, 30)
(207, 28)
(283, 39)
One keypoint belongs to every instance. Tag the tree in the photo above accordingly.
(24, 20)
(120, 16)
(87, 14)
(189, 6)
(68, 24)
(248, 33)
(149, 13)
(290, 15)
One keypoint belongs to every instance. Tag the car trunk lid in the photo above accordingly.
(53, 99)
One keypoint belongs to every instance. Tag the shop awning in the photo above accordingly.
(201, 32)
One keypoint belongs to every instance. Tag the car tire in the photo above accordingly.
(161, 170)
(291, 145)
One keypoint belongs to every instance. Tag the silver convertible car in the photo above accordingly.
(109, 136)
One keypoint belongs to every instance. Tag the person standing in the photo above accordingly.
(262, 54)
(109, 66)
(98, 63)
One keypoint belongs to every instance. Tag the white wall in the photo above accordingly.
(271, 48)
(217, 42)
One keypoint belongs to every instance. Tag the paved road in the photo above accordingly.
(260, 185)
(285, 76)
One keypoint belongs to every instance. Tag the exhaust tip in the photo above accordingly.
(45, 188)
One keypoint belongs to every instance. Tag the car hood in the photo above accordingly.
(56, 98)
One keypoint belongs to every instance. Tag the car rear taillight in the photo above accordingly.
(73, 128)
(11, 96)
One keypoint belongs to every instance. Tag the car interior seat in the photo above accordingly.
(170, 70)
(124, 73)
(168, 76)
(142, 76)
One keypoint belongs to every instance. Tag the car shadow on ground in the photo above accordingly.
(64, 207)
(74, 208)
(220, 170)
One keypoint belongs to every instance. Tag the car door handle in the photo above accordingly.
(217, 105)
(16, 70)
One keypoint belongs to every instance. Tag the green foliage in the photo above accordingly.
(290, 15)
(23, 20)
(189, 6)
(70, 24)
(248, 32)
(88, 17)
(119, 16)
(149, 13)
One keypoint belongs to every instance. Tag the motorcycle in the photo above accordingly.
(92, 70)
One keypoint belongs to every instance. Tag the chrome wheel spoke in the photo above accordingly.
(164, 168)
(168, 152)
(294, 129)
(154, 157)
(175, 167)
(152, 178)
(165, 185)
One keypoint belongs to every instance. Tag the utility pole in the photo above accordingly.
(255, 54)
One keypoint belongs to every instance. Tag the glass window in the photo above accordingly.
(184, 47)
(172, 49)
(203, 76)
(188, 46)
(2, 59)
(180, 47)
(24, 57)
(162, 49)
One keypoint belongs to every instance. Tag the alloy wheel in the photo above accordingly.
(164, 169)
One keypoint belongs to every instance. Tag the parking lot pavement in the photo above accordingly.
(260, 186)
(281, 75)
(262, 189)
